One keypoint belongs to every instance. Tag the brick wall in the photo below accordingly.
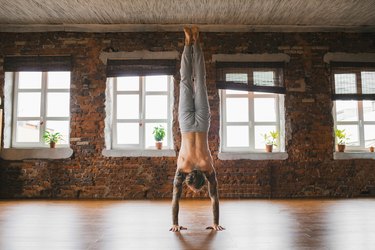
(310, 170)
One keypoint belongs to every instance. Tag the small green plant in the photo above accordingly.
(341, 136)
(159, 133)
(270, 138)
(52, 137)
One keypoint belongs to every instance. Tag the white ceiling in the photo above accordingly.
(351, 15)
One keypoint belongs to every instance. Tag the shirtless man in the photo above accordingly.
(194, 163)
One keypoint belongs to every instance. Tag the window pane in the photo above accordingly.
(127, 106)
(345, 84)
(27, 131)
(156, 83)
(156, 107)
(264, 78)
(237, 136)
(128, 83)
(369, 110)
(369, 135)
(30, 80)
(128, 133)
(352, 133)
(237, 109)
(150, 140)
(259, 135)
(58, 104)
(368, 82)
(59, 80)
(346, 111)
(59, 126)
(28, 105)
(264, 110)
(236, 77)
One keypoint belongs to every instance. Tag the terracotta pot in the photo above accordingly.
(372, 149)
(340, 148)
(269, 148)
(159, 145)
(52, 144)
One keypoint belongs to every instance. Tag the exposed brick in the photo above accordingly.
(310, 170)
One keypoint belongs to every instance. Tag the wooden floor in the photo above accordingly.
(250, 224)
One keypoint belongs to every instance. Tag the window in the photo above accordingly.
(248, 115)
(141, 103)
(354, 105)
(41, 102)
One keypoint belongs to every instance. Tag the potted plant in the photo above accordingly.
(270, 140)
(52, 138)
(159, 134)
(341, 137)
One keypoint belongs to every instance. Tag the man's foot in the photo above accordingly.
(188, 36)
(195, 31)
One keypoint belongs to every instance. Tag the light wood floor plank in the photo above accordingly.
(250, 224)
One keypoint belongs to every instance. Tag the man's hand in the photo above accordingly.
(177, 228)
(216, 227)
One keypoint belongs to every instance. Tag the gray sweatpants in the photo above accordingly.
(193, 109)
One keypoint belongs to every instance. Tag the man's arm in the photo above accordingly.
(177, 190)
(214, 195)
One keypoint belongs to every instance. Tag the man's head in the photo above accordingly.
(195, 180)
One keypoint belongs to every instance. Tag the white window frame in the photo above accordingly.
(251, 124)
(142, 119)
(43, 116)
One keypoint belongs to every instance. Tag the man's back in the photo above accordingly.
(194, 153)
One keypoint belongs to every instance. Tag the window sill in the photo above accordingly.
(253, 156)
(353, 155)
(138, 153)
(35, 153)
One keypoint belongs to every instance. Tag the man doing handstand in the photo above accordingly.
(194, 163)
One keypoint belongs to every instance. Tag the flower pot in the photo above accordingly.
(372, 149)
(340, 148)
(269, 148)
(158, 145)
(52, 144)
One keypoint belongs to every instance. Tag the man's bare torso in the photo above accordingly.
(194, 153)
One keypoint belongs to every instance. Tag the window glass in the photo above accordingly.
(156, 107)
(156, 83)
(237, 109)
(369, 110)
(28, 131)
(369, 135)
(58, 104)
(28, 104)
(352, 134)
(347, 110)
(128, 133)
(345, 83)
(264, 78)
(237, 136)
(264, 109)
(59, 80)
(29, 80)
(128, 83)
(127, 106)
(368, 82)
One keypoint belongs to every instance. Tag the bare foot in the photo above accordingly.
(188, 35)
(195, 31)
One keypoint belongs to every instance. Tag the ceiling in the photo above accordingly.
(170, 15)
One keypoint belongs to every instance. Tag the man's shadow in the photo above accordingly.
(196, 243)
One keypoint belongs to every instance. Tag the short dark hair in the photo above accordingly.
(196, 179)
